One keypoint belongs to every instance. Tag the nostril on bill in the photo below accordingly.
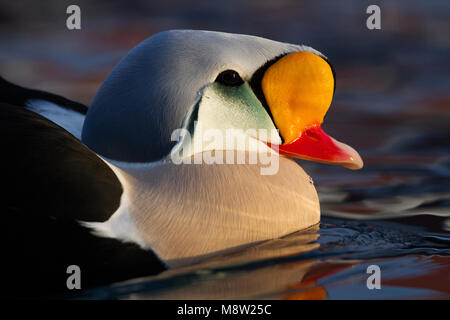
(313, 135)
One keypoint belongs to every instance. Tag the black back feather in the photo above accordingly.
(50, 182)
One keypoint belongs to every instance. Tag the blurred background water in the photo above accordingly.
(392, 103)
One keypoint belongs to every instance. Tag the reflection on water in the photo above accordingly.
(392, 104)
(413, 264)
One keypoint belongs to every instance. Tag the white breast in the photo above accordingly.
(186, 213)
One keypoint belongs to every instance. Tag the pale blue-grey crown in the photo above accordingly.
(149, 92)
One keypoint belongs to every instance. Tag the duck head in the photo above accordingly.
(176, 78)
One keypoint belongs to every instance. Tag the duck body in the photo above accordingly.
(100, 187)
(228, 206)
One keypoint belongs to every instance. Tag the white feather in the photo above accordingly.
(68, 119)
(170, 208)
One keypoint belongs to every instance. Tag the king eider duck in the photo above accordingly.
(98, 187)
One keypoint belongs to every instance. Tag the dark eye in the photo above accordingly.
(229, 78)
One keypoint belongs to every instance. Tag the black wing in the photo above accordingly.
(50, 181)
